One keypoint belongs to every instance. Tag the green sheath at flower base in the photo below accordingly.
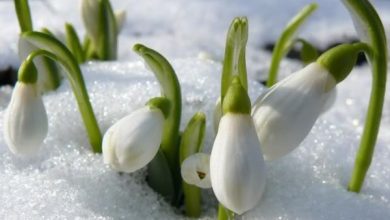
(234, 63)
(24, 15)
(340, 60)
(286, 40)
(370, 28)
(236, 99)
(54, 49)
(191, 143)
(170, 89)
(161, 103)
(28, 72)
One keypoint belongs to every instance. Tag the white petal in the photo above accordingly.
(25, 122)
(133, 141)
(287, 112)
(195, 170)
(90, 15)
(237, 167)
(120, 17)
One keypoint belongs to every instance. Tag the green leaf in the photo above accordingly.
(308, 52)
(160, 177)
(286, 40)
(24, 16)
(234, 63)
(73, 43)
(54, 49)
(107, 39)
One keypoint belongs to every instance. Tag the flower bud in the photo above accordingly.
(286, 113)
(133, 141)
(195, 170)
(237, 166)
(25, 122)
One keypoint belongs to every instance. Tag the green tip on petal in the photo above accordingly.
(28, 72)
(236, 99)
(340, 60)
(161, 103)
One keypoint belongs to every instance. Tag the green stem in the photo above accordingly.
(24, 16)
(52, 48)
(170, 88)
(191, 143)
(285, 41)
(224, 213)
(366, 16)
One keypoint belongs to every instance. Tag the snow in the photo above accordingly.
(66, 181)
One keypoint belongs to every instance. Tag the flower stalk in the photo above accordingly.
(24, 16)
(170, 88)
(370, 29)
(55, 50)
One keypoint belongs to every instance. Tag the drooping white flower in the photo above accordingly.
(237, 168)
(25, 122)
(286, 113)
(195, 170)
(236, 164)
(133, 141)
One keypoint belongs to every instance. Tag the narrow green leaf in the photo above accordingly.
(160, 177)
(24, 16)
(286, 40)
(234, 63)
(107, 40)
(54, 49)
(308, 52)
(73, 43)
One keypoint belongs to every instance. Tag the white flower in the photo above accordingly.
(25, 122)
(217, 114)
(286, 113)
(237, 166)
(133, 141)
(90, 15)
(195, 170)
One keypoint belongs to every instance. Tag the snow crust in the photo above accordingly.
(66, 181)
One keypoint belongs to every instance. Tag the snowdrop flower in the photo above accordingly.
(237, 166)
(195, 170)
(133, 141)
(285, 114)
(25, 122)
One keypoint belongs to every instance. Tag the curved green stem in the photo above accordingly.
(285, 41)
(234, 63)
(191, 143)
(24, 16)
(52, 48)
(170, 88)
(367, 18)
